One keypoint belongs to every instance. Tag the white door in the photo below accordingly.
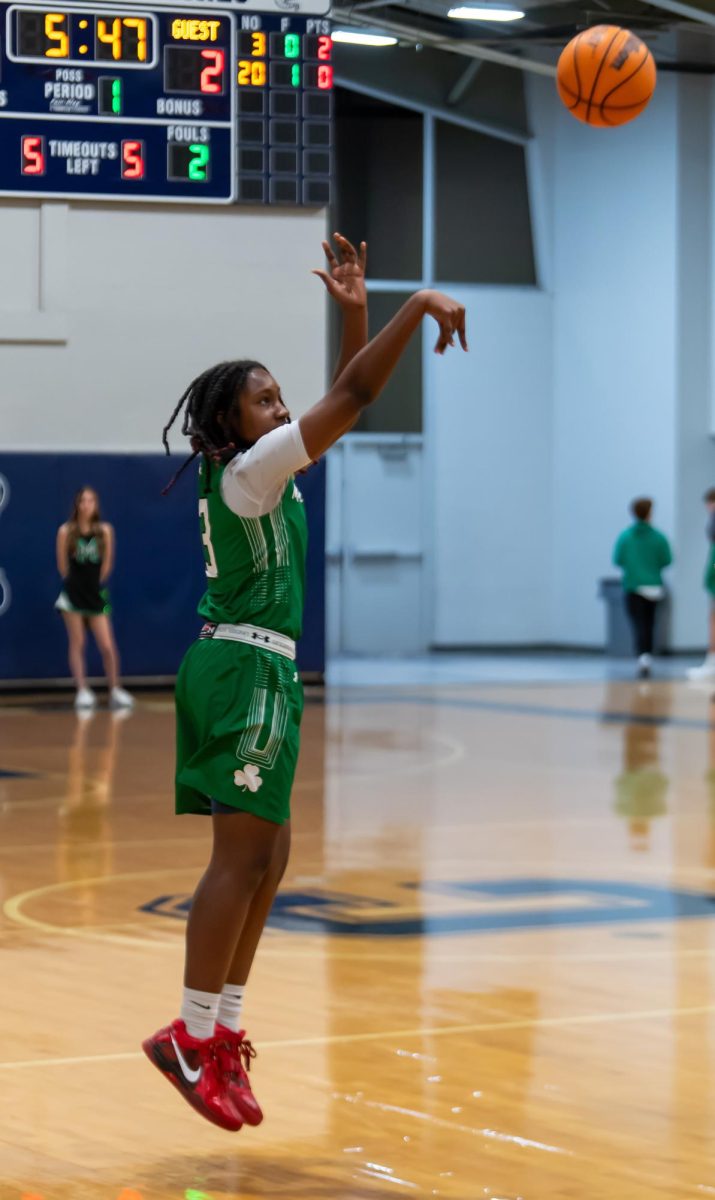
(375, 545)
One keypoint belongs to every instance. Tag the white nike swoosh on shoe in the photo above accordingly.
(191, 1074)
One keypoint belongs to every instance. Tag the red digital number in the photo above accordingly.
(212, 75)
(133, 165)
(325, 78)
(33, 156)
(325, 48)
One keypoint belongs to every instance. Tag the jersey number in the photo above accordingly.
(209, 556)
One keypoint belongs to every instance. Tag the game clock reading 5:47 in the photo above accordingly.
(38, 35)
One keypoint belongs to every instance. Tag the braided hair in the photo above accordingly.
(212, 392)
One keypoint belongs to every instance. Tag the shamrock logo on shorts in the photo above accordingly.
(249, 778)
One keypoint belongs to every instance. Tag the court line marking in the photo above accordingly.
(642, 1175)
(456, 1127)
(576, 1021)
(12, 908)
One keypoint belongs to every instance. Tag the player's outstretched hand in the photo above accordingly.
(449, 315)
(345, 277)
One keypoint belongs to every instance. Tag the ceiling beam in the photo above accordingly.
(705, 16)
(424, 37)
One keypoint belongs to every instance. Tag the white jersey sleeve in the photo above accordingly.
(254, 481)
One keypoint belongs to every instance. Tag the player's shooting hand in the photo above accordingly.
(449, 315)
(345, 277)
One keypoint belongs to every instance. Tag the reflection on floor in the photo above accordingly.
(488, 973)
(536, 667)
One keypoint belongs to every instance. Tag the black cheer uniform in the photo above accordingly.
(82, 592)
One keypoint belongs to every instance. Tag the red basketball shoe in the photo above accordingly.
(240, 1052)
(200, 1068)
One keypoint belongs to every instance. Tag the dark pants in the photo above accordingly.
(642, 615)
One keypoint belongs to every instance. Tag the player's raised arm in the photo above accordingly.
(365, 376)
(345, 282)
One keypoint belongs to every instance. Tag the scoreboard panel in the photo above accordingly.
(203, 105)
(285, 107)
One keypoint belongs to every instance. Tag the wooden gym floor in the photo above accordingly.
(489, 975)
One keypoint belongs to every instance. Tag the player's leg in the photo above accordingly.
(76, 638)
(243, 851)
(649, 610)
(76, 644)
(639, 612)
(644, 610)
(241, 771)
(101, 627)
(228, 1023)
(208, 1069)
(256, 918)
(633, 610)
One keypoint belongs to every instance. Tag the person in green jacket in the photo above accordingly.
(707, 669)
(642, 553)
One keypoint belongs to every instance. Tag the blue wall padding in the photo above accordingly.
(158, 577)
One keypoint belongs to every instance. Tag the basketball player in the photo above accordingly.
(642, 553)
(85, 558)
(238, 696)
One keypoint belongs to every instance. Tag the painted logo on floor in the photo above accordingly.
(437, 909)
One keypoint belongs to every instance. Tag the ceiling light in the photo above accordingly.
(473, 13)
(355, 37)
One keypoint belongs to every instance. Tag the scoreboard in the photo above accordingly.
(285, 80)
(195, 104)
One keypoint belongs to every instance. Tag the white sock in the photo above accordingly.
(645, 660)
(230, 1006)
(199, 1011)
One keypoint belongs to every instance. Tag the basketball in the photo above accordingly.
(606, 76)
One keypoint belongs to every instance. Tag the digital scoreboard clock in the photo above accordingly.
(186, 105)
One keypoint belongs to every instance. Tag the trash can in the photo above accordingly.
(619, 638)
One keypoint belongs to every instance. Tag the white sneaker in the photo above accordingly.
(705, 672)
(85, 698)
(119, 698)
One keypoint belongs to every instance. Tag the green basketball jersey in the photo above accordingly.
(255, 566)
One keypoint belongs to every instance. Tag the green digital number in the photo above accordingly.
(198, 165)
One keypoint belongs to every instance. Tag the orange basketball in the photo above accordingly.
(605, 76)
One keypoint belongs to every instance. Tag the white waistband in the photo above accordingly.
(253, 635)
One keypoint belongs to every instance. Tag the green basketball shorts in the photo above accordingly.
(238, 713)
